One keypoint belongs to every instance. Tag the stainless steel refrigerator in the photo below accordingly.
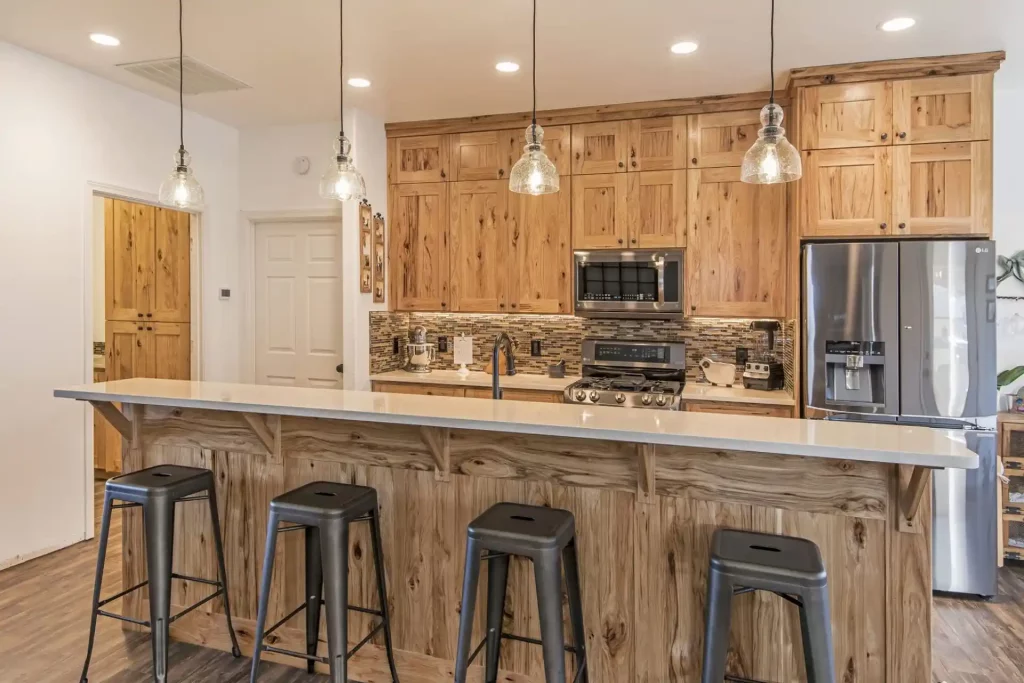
(904, 332)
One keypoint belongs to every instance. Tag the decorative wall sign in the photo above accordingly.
(379, 258)
(365, 248)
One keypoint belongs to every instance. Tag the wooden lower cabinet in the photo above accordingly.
(530, 395)
(417, 389)
(738, 408)
(106, 449)
(156, 350)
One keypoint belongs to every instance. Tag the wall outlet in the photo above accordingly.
(741, 355)
(535, 347)
(225, 294)
(394, 346)
(442, 344)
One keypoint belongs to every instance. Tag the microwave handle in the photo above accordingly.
(661, 280)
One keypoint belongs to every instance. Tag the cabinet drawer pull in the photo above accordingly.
(903, 226)
(620, 240)
(903, 135)
(883, 226)
(885, 136)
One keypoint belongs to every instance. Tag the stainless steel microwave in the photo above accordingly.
(629, 284)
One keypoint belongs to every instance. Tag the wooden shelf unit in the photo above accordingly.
(1011, 454)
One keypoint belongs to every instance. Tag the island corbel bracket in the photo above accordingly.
(438, 442)
(910, 497)
(645, 473)
(115, 417)
(268, 431)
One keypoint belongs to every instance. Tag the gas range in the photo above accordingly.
(631, 375)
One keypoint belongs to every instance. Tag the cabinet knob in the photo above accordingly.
(149, 329)
(501, 172)
(443, 305)
(501, 305)
(140, 315)
(885, 136)
(883, 226)
(693, 161)
(443, 175)
(621, 165)
(513, 305)
(149, 315)
(633, 241)
(634, 163)
(903, 226)
(903, 135)
(693, 308)
(620, 240)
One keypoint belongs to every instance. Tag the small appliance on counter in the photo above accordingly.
(718, 373)
(631, 375)
(764, 375)
(420, 353)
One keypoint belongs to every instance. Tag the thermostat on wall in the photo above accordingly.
(225, 294)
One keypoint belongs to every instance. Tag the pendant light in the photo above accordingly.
(341, 180)
(181, 189)
(534, 173)
(772, 159)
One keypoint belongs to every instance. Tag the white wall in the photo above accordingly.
(61, 129)
(269, 183)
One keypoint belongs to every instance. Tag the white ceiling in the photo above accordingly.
(435, 58)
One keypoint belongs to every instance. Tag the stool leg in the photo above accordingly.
(334, 550)
(718, 615)
(218, 543)
(816, 625)
(314, 593)
(497, 586)
(547, 567)
(265, 581)
(158, 516)
(382, 591)
(470, 580)
(572, 585)
(108, 504)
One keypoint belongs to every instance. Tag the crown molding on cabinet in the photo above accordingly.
(894, 69)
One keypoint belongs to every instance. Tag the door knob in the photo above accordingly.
(340, 367)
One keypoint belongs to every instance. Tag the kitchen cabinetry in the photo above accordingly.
(417, 389)
(531, 395)
(944, 109)
(476, 156)
(106, 439)
(600, 147)
(656, 209)
(721, 139)
(942, 189)
(419, 246)
(478, 242)
(599, 216)
(723, 408)
(418, 159)
(539, 229)
(657, 144)
(846, 193)
(1011, 455)
(736, 245)
(846, 115)
(156, 350)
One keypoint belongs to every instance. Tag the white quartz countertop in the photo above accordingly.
(476, 379)
(811, 438)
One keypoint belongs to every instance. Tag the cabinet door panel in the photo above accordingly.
(478, 239)
(128, 229)
(657, 144)
(124, 349)
(168, 351)
(419, 159)
(943, 189)
(846, 115)
(722, 139)
(599, 147)
(171, 300)
(419, 247)
(599, 216)
(946, 109)
(846, 193)
(557, 145)
(736, 246)
(417, 389)
(739, 409)
(475, 156)
(540, 234)
(657, 209)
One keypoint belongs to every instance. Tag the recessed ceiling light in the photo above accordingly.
(359, 83)
(104, 39)
(898, 24)
(507, 67)
(685, 47)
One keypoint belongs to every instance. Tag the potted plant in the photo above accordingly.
(1005, 379)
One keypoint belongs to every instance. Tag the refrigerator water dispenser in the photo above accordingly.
(855, 373)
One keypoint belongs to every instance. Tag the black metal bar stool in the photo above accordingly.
(745, 561)
(157, 490)
(548, 537)
(324, 510)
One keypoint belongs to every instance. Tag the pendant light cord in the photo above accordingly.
(181, 79)
(341, 63)
(535, 62)
(771, 98)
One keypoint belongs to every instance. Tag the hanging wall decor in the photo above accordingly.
(379, 258)
(365, 247)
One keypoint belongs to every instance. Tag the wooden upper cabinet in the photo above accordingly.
(478, 246)
(557, 145)
(943, 189)
(419, 159)
(599, 216)
(125, 350)
(846, 115)
(600, 147)
(128, 235)
(419, 247)
(945, 109)
(722, 139)
(656, 206)
(170, 301)
(657, 144)
(168, 351)
(539, 230)
(736, 245)
(476, 156)
(846, 193)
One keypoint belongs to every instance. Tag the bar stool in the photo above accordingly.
(548, 537)
(157, 490)
(324, 511)
(745, 561)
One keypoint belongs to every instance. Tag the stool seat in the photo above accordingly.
(160, 481)
(520, 529)
(323, 500)
(752, 556)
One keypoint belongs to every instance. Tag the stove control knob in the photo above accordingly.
(620, 398)
(660, 400)
(581, 395)
(646, 399)
(594, 396)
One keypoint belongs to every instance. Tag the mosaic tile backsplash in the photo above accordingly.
(562, 335)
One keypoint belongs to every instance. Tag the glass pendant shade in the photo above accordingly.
(342, 180)
(534, 173)
(181, 189)
(772, 159)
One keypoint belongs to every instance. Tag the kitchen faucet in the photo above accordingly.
(502, 341)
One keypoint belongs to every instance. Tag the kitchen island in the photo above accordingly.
(647, 489)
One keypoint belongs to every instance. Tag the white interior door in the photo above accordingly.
(298, 304)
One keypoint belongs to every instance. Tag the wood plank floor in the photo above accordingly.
(44, 619)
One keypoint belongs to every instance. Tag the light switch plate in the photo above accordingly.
(225, 294)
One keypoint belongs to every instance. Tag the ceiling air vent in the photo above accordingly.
(199, 78)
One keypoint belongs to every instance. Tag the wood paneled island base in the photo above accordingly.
(644, 513)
